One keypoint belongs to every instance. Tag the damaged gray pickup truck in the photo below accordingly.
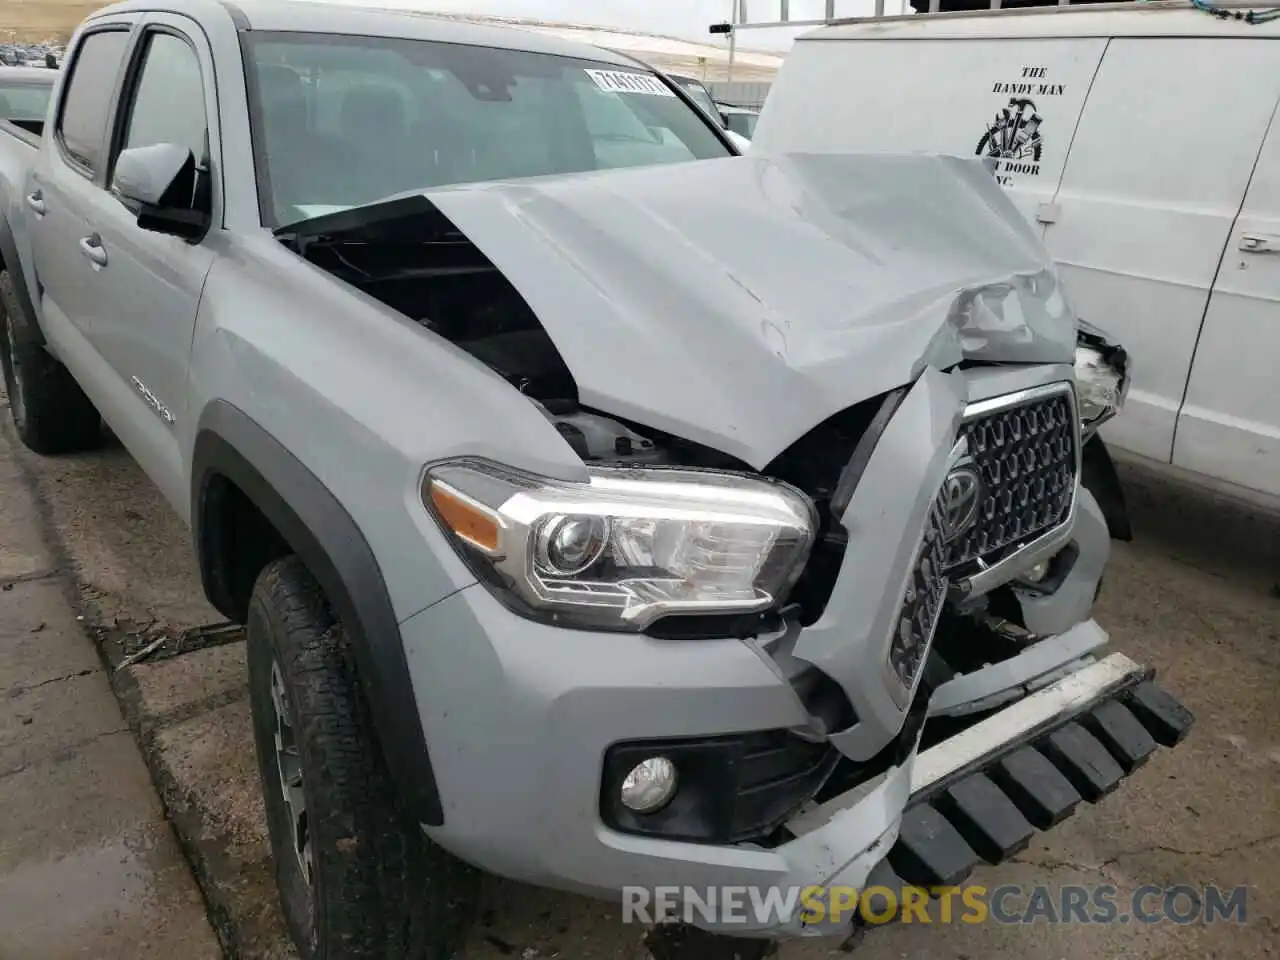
(604, 509)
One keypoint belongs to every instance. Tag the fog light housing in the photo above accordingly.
(649, 786)
(1037, 572)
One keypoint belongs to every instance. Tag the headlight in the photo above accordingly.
(626, 547)
(1100, 387)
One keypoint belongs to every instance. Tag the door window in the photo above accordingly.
(168, 102)
(87, 103)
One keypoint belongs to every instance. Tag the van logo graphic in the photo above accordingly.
(1014, 135)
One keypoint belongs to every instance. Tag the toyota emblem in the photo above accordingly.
(961, 495)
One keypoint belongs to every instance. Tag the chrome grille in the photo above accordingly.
(1028, 459)
(922, 602)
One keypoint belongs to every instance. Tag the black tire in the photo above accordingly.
(378, 887)
(50, 412)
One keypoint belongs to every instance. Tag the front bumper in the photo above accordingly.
(521, 716)
(519, 730)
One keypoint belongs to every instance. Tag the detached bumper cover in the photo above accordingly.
(987, 810)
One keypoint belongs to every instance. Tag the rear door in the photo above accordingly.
(1158, 169)
(1229, 426)
(73, 156)
(1013, 100)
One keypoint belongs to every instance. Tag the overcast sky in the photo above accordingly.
(680, 18)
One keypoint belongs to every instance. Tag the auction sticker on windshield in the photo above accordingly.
(624, 81)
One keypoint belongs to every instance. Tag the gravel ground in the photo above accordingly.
(1197, 595)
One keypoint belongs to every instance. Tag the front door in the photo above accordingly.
(149, 283)
(1229, 426)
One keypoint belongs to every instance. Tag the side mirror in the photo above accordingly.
(158, 183)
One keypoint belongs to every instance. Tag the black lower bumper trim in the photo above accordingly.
(1122, 734)
(1037, 788)
(985, 816)
(1165, 718)
(1084, 761)
(930, 851)
(990, 813)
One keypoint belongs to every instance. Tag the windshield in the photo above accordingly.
(343, 121)
(23, 101)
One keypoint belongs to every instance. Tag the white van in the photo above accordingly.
(1140, 138)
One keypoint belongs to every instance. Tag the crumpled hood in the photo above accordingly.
(740, 302)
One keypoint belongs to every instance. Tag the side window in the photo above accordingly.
(87, 102)
(168, 100)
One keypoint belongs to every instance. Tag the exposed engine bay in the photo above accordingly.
(444, 283)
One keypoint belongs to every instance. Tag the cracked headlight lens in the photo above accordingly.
(628, 546)
(1100, 387)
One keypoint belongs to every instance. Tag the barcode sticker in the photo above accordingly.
(624, 81)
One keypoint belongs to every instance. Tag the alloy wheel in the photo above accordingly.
(289, 767)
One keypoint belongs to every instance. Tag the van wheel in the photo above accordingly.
(356, 877)
(50, 411)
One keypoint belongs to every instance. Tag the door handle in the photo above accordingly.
(35, 200)
(1048, 212)
(91, 247)
(1259, 243)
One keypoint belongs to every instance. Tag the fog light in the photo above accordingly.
(650, 785)
(1037, 573)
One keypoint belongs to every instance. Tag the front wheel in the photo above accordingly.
(356, 877)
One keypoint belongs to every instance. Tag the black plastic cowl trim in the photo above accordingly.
(857, 464)
(320, 531)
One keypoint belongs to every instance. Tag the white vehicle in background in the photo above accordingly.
(739, 120)
(1141, 142)
(697, 91)
(737, 130)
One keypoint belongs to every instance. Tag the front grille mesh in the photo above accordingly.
(922, 601)
(1027, 457)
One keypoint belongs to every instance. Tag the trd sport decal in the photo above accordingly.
(1013, 138)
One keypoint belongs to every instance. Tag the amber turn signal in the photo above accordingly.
(466, 518)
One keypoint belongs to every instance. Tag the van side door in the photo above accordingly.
(1012, 100)
(1229, 424)
(1156, 175)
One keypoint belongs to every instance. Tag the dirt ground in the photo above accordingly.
(39, 20)
(1197, 595)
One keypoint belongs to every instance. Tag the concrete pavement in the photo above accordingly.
(88, 865)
